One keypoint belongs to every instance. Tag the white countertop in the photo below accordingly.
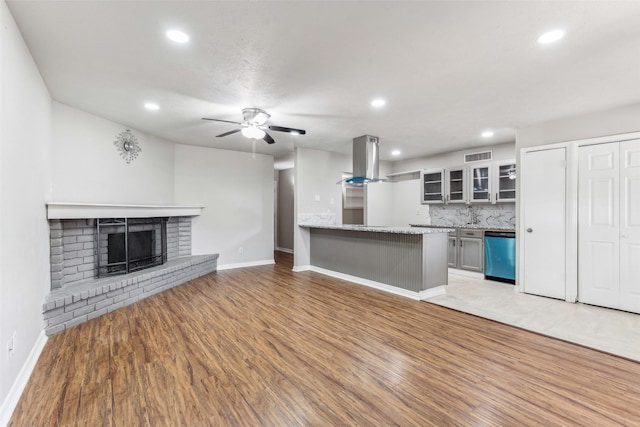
(382, 229)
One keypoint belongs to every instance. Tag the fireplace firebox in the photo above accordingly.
(126, 245)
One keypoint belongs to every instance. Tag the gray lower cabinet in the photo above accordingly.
(452, 250)
(466, 250)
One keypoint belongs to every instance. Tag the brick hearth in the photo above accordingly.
(77, 294)
(82, 301)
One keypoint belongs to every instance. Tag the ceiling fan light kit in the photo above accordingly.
(253, 125)
(253, 132)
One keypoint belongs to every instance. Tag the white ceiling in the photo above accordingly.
(448, 70)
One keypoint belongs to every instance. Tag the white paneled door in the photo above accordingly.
(609, 225)
(630, 225)
(544, 216)
(599, 225)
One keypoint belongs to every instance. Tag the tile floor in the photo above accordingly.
(612, 331)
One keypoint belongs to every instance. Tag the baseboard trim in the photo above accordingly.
(11, 401)
(246, 264)
(466, 273)
(428, 293)
(433, 292)
(289, 251)
(300, 268)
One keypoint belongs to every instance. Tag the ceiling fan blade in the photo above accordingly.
(219, 120)
(268, 138)
(289, 130)
(231, 132)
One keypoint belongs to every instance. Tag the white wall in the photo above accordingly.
(317, 173)
(379, 199)
(602, 123)
(505, 151)
(396, 204)
(407, 207)
(237, 192)
(316, 191)
(25, 132)
(87, 167)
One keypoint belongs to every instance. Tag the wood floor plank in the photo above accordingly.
(266, 346)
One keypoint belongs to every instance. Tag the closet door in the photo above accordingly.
(630, 225)
(598, 225)
(544, 216)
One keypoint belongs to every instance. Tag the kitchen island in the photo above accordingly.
(407, 261)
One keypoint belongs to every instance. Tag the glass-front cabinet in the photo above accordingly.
(432, 185)
(505, 183)
(486, 182)
(480, 183)
(456, 185)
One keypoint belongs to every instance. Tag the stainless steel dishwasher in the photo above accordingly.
(500, 256)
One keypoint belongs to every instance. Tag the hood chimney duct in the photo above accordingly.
(366, 161)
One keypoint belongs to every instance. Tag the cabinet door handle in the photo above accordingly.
(496, 197)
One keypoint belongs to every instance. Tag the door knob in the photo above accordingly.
(529, 230)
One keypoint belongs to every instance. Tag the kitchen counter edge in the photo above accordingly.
(374, 229)
(468, 226)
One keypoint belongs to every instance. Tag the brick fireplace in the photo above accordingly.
(75, 245)
(104, 257)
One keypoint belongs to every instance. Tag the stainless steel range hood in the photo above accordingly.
(365, 161)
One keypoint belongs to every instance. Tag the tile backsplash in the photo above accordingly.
(503, 215)
(316, 219)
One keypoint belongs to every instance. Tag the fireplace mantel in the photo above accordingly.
(70, 210)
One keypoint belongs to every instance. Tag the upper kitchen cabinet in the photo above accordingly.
(456, 185)
(505, 181)
(480, 183)
(432, 185)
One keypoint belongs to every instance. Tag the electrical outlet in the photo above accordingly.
(240, 250)
(418, 212)
(11, 344)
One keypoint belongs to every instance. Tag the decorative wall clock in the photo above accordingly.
(127, 145)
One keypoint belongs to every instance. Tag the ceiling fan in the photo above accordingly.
(253, 125)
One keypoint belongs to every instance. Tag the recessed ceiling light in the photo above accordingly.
(487, 134)
(378, 102)
(177, 36)
(151, 106)
(551, 36)
(396, 152)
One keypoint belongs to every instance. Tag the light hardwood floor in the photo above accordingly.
(265, 346)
